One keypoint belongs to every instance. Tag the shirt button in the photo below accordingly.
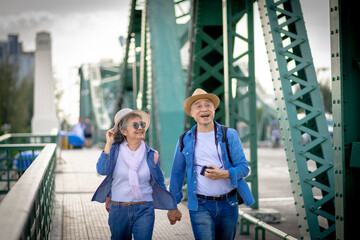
(195, 182)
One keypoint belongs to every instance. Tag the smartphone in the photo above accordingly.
(203, 169)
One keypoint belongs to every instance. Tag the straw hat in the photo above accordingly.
(200, 94)
(126, 111)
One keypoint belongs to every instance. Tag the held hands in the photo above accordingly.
(174, 215)
(216, 173)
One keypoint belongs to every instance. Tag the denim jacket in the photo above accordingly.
(162, 198)
(184, 161)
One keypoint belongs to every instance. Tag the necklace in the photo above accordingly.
(134, 145)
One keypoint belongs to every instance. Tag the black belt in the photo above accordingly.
(218, 198)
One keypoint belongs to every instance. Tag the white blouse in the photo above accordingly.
(121, 189)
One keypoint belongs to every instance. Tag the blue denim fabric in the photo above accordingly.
(162, 198)
(137, 220)
(184, 161)
(215, 220)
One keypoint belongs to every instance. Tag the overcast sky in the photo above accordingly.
(84, 31)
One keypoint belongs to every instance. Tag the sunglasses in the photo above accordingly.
(136, 124)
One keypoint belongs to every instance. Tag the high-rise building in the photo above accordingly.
(12, 51)
(26, 63)
(3, 47)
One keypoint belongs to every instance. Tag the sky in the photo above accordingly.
(87, 31)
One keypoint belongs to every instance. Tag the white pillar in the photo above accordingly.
(44, 120)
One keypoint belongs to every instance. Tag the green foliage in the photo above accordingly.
(259, 113)
(16, 99)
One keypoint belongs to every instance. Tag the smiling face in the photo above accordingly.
(203, 112)
(131, 134)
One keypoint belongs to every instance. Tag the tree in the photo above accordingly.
(58, 94)
(7, 90)
(22, 113)
(16, 99)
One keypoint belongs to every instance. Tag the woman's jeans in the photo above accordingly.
(215, 219)
(135, 219)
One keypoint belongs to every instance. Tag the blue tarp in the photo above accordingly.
(24, 159)
(74, 140)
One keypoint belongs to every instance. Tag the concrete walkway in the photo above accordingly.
(79, 218)
(76, 217)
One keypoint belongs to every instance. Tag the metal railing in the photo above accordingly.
(246, 218)
(27, 181)
(19, 138)
(27, 210)
(14, 160)
(17, 152)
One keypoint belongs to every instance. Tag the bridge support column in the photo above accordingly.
(44, 119)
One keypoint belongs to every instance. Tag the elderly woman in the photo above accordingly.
(134, 181)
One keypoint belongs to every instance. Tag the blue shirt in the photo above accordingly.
(184, 162)
(162, 198)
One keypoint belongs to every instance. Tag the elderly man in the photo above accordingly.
(215, 181)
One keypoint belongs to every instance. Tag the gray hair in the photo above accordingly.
(118, 136)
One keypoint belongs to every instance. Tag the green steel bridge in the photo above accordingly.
(156, 77)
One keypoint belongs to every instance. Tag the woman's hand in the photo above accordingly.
(110, 136)
(109, 140)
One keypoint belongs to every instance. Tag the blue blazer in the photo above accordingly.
(162, 198)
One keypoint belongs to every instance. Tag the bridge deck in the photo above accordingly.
(76, 217)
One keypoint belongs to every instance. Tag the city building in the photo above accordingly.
(12, 51)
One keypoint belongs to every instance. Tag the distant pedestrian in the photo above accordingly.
(88, 132)
(134, 181)
(214, 175)
(78, 130)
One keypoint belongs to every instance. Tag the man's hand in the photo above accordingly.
(174, 215)
(216, 173)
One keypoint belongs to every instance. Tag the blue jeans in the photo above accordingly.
(215, 219)
(136, 219)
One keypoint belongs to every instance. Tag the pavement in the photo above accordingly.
(76, 217)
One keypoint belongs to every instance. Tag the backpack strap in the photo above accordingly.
(181, 141)
(224, 131)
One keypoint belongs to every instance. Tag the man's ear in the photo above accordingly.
(191, 113)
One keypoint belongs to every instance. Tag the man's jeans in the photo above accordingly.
(215, 219)
(136, 219)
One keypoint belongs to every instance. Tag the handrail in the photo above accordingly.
(5, 137)
(262, 226)
(27, 209)
(28, 138)
(11, 171)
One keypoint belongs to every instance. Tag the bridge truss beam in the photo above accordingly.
(301, 113)
(157, 82)
(239, 84)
